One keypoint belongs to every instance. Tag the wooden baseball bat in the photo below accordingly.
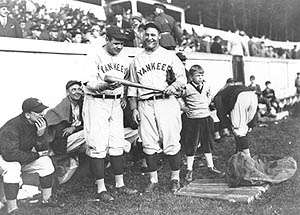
(111, 79)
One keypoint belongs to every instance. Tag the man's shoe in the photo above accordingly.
(175, 185)
(151, 187)
(51, 202)
(15, 212)
(104, 196)
(189, 176)
(215, 171)
(126, 190)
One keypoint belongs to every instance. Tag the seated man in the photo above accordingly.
(65, 124)
(269, 97)
(18, 145)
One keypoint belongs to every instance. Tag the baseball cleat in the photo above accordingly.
(189, 176)
(105, 196)
(151, 187)
(51, 202)
(126, 190)
(175, 185)
(215, 171)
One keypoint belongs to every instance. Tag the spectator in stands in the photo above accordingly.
(98, 35)
(8, 26)
(170, 32)
(19, 151)
(65, 124)
(297, 83)
(35, 32)
(137, 26)
(77, 37)
(269, 96)
(252, 46)
(255, 87)
(216, 47)
(294, 52)
(236, 49)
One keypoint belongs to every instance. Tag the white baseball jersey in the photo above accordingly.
(149, 68)
(101, 63)
(103, 117)
(160, 123)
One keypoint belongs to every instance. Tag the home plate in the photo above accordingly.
(219, 189)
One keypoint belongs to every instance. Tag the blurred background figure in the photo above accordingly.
(8, 26)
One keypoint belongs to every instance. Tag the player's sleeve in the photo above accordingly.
(90, 78)
(179, 71)
(132, 91)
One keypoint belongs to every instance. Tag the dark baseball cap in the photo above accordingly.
(155, 25)
(33, 105)
(116, 32)
(4, 4)
(162, 6)
(71, 83)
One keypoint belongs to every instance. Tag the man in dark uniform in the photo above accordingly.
(169, 31)
(8, 26)
(19, 153)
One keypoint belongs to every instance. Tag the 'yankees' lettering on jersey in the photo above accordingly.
(149, 68)
(101, 63)
(152, 67)
(113, 66)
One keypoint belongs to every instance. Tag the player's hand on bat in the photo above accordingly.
(41, 125)
(170, 90)
(43, 153)
(136, 116)
(113, 85)
(123, 103)
(68, 131)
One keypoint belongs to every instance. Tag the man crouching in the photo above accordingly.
(18, 138)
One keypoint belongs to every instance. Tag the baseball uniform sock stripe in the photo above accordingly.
(175, 175)
(97, 167)
(190, 162)
(119, 181)
(46, 182)
(100, 185)
(117, 164)
(175, 161)
(11, 190)
(153, 177)
(151, 161)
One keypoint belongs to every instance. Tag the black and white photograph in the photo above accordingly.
(149, 107)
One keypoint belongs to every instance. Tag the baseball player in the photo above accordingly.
(158, 114)
(237, 104)
(103, 114)
(199, 125)
(18, 153)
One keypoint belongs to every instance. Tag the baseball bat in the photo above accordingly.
(110, 79)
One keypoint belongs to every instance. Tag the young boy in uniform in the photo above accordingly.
(199, 124)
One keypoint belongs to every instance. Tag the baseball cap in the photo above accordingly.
(160, 6)
(33, 104)
(4, 4)
(115, 32)
(71, 83)
(137, 16)
(154, 24)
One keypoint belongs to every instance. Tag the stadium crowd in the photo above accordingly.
(74, 25)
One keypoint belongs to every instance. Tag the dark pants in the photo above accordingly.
(198, 130)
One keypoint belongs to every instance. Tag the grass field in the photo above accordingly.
(280, 139)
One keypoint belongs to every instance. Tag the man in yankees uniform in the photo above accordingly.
(157, 114)
(103, 114)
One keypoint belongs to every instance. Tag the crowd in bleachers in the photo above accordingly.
(67, 24)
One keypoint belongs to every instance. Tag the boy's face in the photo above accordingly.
(198, 78)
